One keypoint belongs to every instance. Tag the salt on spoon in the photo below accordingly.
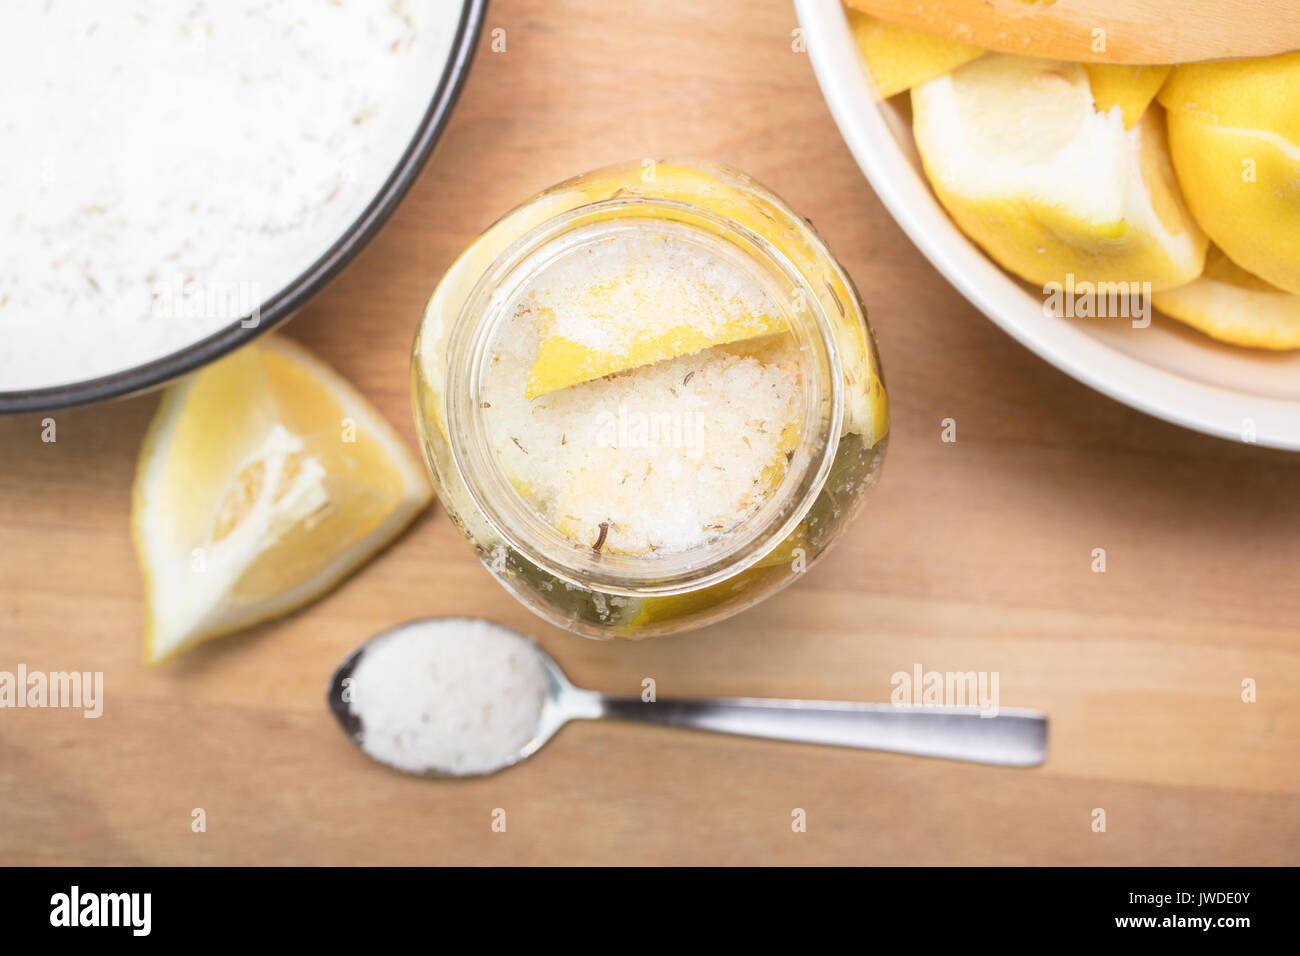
(460, 697)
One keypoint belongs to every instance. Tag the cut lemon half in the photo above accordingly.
(264, 480)
(1232, 305)
(898, 59)
(1051, 188)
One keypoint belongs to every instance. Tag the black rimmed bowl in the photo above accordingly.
(283, 304)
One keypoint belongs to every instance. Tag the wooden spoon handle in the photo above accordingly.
(1105, 31)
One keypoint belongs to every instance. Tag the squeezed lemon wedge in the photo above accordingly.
(1023, 162)
(1235, 135)
(1232, 305)
(263, 481)
(1131, 88)
(898, 59)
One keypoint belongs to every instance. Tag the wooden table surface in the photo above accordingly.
(973, 555)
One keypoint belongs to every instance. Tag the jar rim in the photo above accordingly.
(519, 525)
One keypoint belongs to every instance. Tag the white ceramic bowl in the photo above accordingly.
(1166, 370)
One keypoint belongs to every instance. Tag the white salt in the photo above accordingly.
(165, 167)
(454, 695)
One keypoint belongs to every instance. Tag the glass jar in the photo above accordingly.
(836, 458)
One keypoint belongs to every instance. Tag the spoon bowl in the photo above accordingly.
(561, 703)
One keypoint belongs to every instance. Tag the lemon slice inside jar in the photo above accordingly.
(590, 329)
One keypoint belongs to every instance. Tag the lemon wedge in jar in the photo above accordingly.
(898, 59)
(264, 480)
(1234, 129)
(641, 616)
(1028, 168)
(598, 324)
(1232, 305)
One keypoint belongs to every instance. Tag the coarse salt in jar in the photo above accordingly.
(649, 398)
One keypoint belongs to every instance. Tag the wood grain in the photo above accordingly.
(974, 555)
